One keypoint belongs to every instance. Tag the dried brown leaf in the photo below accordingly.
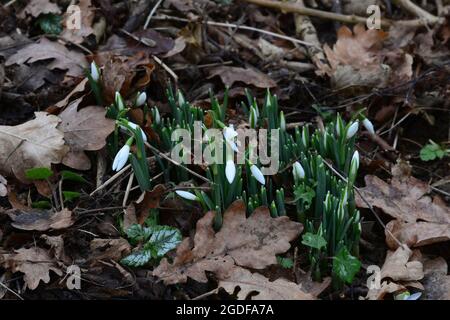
(37, 7)
(3, 186)
(36, 143)
(230, 75)
(250, 242)
(398, 267)
(259, 287)
(35, 263)
(86, 129)
(109, 249)
(421, 220)
(44, 49)
(40, 220)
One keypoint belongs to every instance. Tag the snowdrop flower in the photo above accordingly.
(134, 126)
(257, 174)
(230, 171)
(338, 129)
(119, 101)
(181, 100)
(157, 116)
(230, 134)
(121, 158)
(354, 165)
(368, 125)
(352, 129)
(298, 171)
(95, 73)
(186, 195)
(282, 121)
(141, 99)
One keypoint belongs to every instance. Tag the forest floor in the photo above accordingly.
(73, 215)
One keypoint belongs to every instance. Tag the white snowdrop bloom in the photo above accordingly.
(95, 73)
(369, 126)
(157, 116)
(352, 129)
(134, 126)
(282, 121)
(230, 171)
(141, 99)
(257, 174)
(230, 135)
(298, 171)
(119, 101)
(121, 158)
(186, 195)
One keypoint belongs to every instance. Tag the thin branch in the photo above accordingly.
(152, 12)
(352, 19)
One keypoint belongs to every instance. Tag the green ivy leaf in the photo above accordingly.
(38, 173)
(137, 259)
(70, 195)
(50, 23)
(72, 176)
(305, 193)
(432, 151)
(163, 239)
(286, 263)
(314, 241)
(345, 266)
(137, 233)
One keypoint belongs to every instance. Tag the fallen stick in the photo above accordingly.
(352, 19)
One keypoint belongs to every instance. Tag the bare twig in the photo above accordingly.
(352, 19)
(152, 12)
(10, 290)
(242, 27)
(411, 7)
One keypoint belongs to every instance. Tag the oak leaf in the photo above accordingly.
(86, 129)
(250, 242)
(36, 143)
(35, 263)
(44, 49)
(249, 283)
(398, 267)
(40, 220)
(37, 7)
(420, 219)
(230, 75)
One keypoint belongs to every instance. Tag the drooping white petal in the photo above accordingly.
(282, 121)
(352, 129)
(141, 99)
(298, 171)
(134, 126)
(186, 195)
(257, 174)
(119, 101)
(157, 116)
(355, 158)
(121, 158)
(230, 134)
(94, 72)
(369, 126)
(230, 171)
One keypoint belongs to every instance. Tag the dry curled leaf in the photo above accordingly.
(86, 129)
(40, 220)
(398, 267)
(37, 7)
(230, 75)
(36, 143)
(421, 220)
(109, 249)
(35, 263)
(250, 242)
(436, 280)
(259, 287)
(44, 49)
(359, 58)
